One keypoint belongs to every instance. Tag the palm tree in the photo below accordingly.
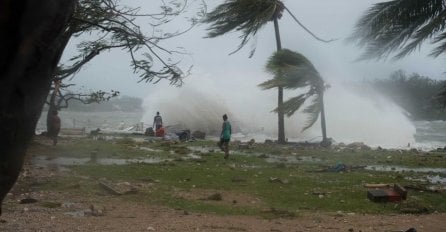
(248, 17)
(292, 70)
(401, 26)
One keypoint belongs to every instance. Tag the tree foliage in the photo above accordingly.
(247, 17)
(66, 98)
(108, 24)
(422, 97)
(294, 71)
(401, 26)
(115, 104)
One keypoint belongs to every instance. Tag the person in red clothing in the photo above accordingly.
(160, 132)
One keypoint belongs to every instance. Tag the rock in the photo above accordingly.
(199, 135)
(243, 146)
(358, 146)
(268, 141)
(263, 156)
(278, 180)
(96, 210)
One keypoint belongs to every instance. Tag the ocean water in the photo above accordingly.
(430, 134)
(93, 120)
(426, 134)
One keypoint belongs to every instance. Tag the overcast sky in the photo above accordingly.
(209, 57)
(220, 83)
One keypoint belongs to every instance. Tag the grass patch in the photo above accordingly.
(282, 189)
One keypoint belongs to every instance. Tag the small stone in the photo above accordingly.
(150, 228)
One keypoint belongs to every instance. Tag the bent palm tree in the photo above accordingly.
(248, 17)
(401, 26)
(292, 70)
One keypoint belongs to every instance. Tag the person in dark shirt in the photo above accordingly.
(157, 121)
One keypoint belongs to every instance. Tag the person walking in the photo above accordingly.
(54, 128)
(225, 136)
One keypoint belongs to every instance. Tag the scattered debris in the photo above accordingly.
(278, 180)
(279, 212)
(118, 189)
(427, 188)
(199, 135)
(383, 193)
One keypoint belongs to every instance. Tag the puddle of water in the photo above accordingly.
(437, 180)
(384, 168)
(292, 159)
(69, 161)
(149, 149)
(193, 156)
(203, 149)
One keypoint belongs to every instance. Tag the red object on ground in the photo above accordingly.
(160, 132)
(393, 196)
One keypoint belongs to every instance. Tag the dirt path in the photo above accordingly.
(117, 215)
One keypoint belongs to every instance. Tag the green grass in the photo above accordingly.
(304, 189)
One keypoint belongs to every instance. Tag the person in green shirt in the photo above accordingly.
(225, 136)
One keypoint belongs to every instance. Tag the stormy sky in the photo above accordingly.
(329, 19)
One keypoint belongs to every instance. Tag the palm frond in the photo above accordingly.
(440, 49)
(399, 25)
(285, 58)
(292, 105)
(272, 83)
(313, 111)
(300, 76)
(245, 16)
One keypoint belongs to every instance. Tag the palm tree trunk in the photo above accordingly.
(280, 113)
(323, 125)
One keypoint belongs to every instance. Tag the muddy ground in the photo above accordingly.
(102, 212)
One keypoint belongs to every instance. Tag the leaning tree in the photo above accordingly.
(248, 17)
(31, 34)
(294, 71)
(99, 26)
(34, 36)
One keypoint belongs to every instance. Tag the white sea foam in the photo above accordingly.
(354, 114)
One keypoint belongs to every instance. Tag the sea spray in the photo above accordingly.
(357, 113)
(354, 113)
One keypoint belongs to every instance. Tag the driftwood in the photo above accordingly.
(109, 188)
